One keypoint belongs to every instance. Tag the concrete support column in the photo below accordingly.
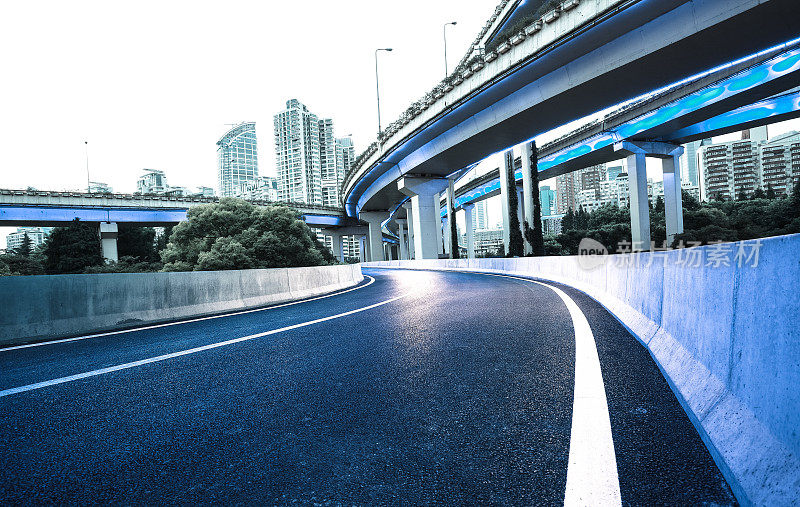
(411, 235)
(639, 203)
(505, 168)
(336, 246)
(375, 219)
(468, 209)
(446, 235)
(108, 241)
(527, 187)
(673, 200)
(637, 184)
(521, 211)
(362, 249)
(401, 235)
(439, 235)
(424, 193)
(451, 199)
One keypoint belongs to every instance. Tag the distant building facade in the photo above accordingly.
(96, 187)
(153, 181)
(37, 235)
(237, 159)
(310, 160)
(736, 169)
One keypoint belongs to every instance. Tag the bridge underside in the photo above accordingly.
(608, 64)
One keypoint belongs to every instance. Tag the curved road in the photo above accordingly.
(415, 387)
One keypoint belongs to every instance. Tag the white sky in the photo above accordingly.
(152, 84)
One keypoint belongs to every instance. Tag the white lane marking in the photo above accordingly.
(592, 477)
(155, 326)
(164, 357)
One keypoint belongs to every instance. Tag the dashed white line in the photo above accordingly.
(176, 323)
(164, 357)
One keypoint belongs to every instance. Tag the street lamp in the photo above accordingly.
(444, 31)
(377, 87)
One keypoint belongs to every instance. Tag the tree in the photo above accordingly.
(26, 247)
(536, 238)
(515, 245)
(454, 251)
(770, 191)
(759, 193)
(137, 242)
(72, 249)
(568, 222)
(235, 234)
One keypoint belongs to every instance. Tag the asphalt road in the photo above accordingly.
(415, 388)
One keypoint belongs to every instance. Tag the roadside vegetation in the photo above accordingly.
(231, 234)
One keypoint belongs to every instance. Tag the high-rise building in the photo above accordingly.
(613, 171)
(570, 185)
(153, 181)
(780, 163)
(480, 216)
(737, 168)
(547, 199)
(237, 159)
(345, 156)
(264, 188)
(311, 161)
(297, 152)
(690, 162)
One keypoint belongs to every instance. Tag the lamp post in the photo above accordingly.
(377, 87)
(88, 179)
(444, 32)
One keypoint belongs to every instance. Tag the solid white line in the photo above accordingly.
(186, 352)
(155, 326)
(592, 477)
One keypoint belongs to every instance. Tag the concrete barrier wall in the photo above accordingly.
(727, 338)
(35, 307)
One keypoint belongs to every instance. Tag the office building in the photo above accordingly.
(264, 188)
(153, 181)
(547, 199)
(237, 159)
(37, 235)
(569, 187)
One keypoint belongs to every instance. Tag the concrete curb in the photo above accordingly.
(40, 307)
(707, 331)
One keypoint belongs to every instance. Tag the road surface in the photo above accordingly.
(414, 387)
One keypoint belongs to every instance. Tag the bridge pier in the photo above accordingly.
(470, 233)
(410, 220)
(424, 193)
(336, 246)
(637, 184)
(362, 249)
(375, 219)
(506, 171)
(108, 241)
(401, 236)
(451, 216)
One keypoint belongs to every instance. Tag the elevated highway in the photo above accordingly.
(578, 59)
(49, 209)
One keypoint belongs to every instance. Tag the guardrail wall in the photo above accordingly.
(725, 335)
(36, 307)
